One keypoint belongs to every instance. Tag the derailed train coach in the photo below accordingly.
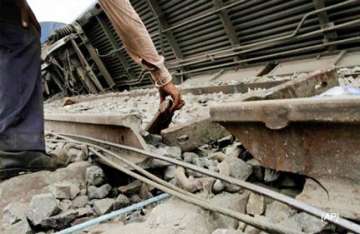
(197, 37)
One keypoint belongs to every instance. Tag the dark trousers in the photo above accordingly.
(21, 103)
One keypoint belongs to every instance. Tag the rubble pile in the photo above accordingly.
(59, 199)
(144, 103)
(67, 201)
(46, 202)
(144, 106)
(228, 157)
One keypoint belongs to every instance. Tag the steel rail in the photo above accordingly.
(166, 187)
(354, 39)
(208, 57)
(341, 222)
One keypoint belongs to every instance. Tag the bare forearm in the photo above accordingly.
(136, 38)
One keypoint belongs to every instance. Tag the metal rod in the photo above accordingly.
(341, 222)
(262, 224)
(258, 223)
(114, 214)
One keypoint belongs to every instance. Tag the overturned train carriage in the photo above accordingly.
(197, 36)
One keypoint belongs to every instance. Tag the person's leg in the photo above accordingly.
(21, 108)
(22, 146)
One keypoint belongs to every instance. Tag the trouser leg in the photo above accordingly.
(21, 104)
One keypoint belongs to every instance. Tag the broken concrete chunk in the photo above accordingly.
(25, 187)
(65, 190)
(233, 150)
(278, 212)
(153, 139)
(231, 188)
(201, 162)
(239, 169)
(99, 192)
(218, 187)
(173, 152)
(210, 163)
(176, 216)
(224, 168)
(145, 191)
(95, 176)
(305, 223)
(80, 201)
(133, 187)
(60, 221)
(21, 227)
(346, 204)
(251, 230)
(170, 173)
(135, 198)
(42, 207)
(104, 206)
(309, 223)
(187, 183)
(189, 157)
(65, 205)
(236, 202)
(85, 212)
(14, 212)
(77, 155)
(227, 231)
(121, 202)
(256, 204)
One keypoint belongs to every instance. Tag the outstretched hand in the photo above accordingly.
(171, 90)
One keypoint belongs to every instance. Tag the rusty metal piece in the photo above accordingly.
(305, 86)
(315, 137)
(112, 128)
(229, 89)
(226, 89)
(162, 118)
(191, 135)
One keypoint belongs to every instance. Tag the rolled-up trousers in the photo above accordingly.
(21, 103)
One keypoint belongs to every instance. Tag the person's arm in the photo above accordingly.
(140, 47)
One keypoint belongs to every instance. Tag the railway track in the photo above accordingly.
(115, 160)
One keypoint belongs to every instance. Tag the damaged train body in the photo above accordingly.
(197, 37)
